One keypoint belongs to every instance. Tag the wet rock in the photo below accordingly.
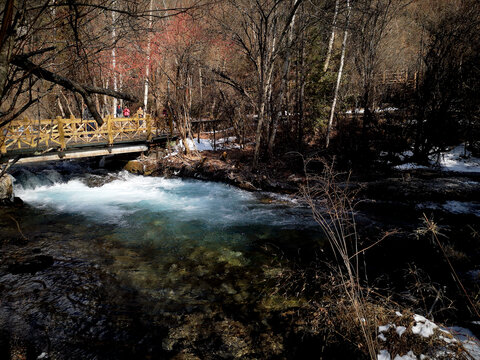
(228, 289)
(245, 185)
(93, 181)
(6, 189)
(31, 264)
(134, 167)
(231, 258)
(150, 168)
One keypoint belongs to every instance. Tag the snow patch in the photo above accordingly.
(468, 340)
(400, 330)
(207, 144)
(456, 160)
(459, 160)
(384, 355)
(408, 356)
(423, 326)
(384, 328)
(410, 166)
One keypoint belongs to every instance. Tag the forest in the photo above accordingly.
(366, 110)
(290, 74)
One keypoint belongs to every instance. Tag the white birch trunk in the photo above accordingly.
(105, 85)
(147, 67)
(66, 102)
(114, 60)
(332, 38)
(60, 107)
(339, 75)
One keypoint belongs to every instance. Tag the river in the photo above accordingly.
(108, 265)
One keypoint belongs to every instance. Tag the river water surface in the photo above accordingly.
(146, 266)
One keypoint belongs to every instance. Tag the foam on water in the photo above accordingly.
(131, 200)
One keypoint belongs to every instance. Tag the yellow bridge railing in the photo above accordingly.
(61, 133)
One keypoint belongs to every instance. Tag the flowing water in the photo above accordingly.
(146, 266)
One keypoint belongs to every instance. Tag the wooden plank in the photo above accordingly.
(61, 133)
(83, 154)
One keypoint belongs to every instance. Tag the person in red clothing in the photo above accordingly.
(126, 112)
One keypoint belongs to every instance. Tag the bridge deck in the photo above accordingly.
(33, 138)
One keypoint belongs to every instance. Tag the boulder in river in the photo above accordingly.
(6, 189)
(135, 167)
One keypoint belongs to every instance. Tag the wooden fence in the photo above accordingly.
(29, 134)
(389, 77)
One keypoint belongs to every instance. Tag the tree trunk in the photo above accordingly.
(147, 67)
(279, 108)
(66, 102)
(332, 38)
(60, 107)
(200, 83)
(339, 76)
(5, 42)
(258, 135)
(301, 97)
(114, 60)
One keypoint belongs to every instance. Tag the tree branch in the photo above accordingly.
(229, 81)
(85, 91)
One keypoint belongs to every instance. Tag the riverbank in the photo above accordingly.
(406, 264)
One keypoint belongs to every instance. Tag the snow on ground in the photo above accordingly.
(410, 166)
(423, 326)
(378, 110)
(425, 329)
(384, 355)
(206, 145)
(408, 356)
(470, 342)
(457, 160)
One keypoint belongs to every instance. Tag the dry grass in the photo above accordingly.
(332, 208)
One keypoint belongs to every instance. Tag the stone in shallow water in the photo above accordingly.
(231, 258)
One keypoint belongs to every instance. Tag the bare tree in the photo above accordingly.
(261, 32)
(370, 22)
(28, 48)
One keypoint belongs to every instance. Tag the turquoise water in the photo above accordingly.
(168, 211)
(156, 228)
(159, 265)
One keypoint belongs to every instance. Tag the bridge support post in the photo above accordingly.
(149, 127)
(109, 130)
(61, 133)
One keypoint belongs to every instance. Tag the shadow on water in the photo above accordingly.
(116, 266)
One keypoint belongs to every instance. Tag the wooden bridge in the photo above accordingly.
(403, 77)
(52, 139)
